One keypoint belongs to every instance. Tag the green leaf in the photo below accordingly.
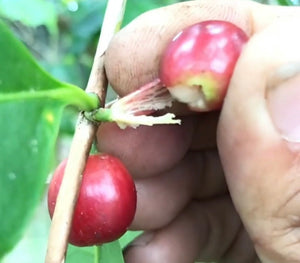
(31, 105)
(136, 7)
(109, 252)
(21, 78)
(28, 133)
(80, 254)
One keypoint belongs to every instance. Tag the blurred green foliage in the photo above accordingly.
(63, 35)
(63, 42)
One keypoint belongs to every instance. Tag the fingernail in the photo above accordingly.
(283, 100)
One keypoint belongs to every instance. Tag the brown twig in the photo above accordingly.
(82, 141)
(66, 199)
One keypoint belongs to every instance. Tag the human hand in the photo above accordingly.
(191, 179)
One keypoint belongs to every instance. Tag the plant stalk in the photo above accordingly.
(83, 138)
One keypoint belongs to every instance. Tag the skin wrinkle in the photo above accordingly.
(210, 161)
(206, 165)
(193, 167)
(214, 227)
(166, 252)
(199, 165)
(288, 249)
(191, 173)
(209, 180)
(292, 197)
(233, 223)
(234, 240)
(206, 228)
(294, 170)
(176, 183)
(239, 250)
(213, 248)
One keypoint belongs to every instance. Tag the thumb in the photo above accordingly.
(258, 138)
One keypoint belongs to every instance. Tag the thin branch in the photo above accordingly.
(82, 142)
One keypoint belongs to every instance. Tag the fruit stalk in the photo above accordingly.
(134, 109)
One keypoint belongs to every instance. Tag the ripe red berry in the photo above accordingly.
(106, 203)
(198, 63)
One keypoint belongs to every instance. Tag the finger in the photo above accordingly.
(133, 56)
(161, 198)
(259, 117)
(206, 231)
(149, 151)
(145, 150)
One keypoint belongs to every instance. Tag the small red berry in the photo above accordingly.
(106, 203)
(198, 63)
